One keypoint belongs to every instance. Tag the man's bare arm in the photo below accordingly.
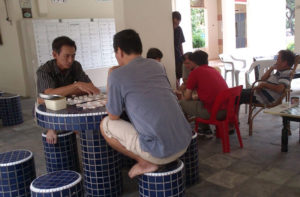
(187, 94)
(77, 88)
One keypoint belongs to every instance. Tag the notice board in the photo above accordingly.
(93, 38)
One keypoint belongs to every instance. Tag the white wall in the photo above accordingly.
(228, 25)
(266, 31)
(13, 70)
(153, 21)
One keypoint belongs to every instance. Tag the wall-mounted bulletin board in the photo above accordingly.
(93, 37)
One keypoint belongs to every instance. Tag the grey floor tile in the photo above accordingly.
(227, 179)
(276, 175)
(257, 188)
(206, 189)
(219, 161)
(245, 168)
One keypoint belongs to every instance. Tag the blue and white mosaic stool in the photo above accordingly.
(64, 154)
(168, 183)
(64, 183)
(191, 162)
(10, 109)
(101, 164)
(17, 171)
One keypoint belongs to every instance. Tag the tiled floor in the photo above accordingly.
(259, 169)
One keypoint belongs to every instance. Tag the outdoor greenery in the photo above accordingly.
(198, 27)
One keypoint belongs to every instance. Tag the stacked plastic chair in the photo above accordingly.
(64, 154)
(58, 184)
(17, 171)
(166, 182)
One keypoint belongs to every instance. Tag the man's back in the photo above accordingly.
(143, 88)
(208, 82)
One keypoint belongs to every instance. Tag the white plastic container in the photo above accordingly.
(56, 104)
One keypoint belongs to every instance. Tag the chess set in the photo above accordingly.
(88, 101)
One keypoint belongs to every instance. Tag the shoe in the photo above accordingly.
(201, 132)
(208, 134)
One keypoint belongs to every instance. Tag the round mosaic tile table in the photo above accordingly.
(17, 171)
(64, 154)
(101, 164)
(10, 109)
(57, 184)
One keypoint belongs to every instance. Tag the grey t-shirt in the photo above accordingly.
(141, 88)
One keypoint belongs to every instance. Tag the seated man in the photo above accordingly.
(158, 132)
(271, 89)
(187, 67)
(209, 83)
(155, 53)
(63, 75)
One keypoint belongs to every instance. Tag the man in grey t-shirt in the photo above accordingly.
(158, 132)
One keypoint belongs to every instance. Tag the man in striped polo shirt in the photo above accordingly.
(273, 84)
(63, 75)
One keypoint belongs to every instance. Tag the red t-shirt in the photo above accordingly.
(208, 82)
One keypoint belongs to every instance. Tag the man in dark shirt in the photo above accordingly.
(63, 75)
(178, 40)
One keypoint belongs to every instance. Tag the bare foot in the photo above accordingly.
(51, 136)
(141, 168)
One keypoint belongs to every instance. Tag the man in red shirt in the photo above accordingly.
(209, 83)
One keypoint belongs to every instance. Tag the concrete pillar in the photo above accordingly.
(153, 21)
(228, 25)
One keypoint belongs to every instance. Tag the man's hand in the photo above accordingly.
(88, 88)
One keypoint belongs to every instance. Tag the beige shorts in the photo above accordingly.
(126, 134)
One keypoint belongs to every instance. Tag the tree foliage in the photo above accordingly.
(198, 27)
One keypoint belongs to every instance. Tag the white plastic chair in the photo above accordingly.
(259, 67)
(234, 66)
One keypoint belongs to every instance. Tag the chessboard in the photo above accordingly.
(88, 101)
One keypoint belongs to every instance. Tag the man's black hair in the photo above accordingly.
(287, 55)
(129, 41)
(154, 53)
(187, 55)
(199, 57)
(62, 41)
(176, 15)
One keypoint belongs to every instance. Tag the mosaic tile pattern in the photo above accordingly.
(191, 162)
(57, 184)
(170, 182)
(64, 154)
(70, 119)
(17, 171)
(101, 166)
(10, 109)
